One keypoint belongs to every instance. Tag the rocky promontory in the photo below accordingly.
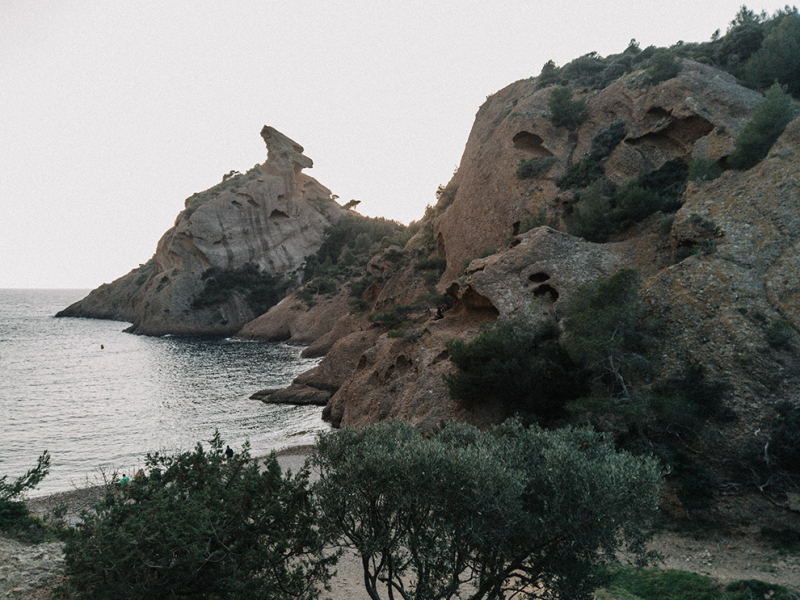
(257, 227)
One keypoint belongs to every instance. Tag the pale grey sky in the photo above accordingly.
(113, 112)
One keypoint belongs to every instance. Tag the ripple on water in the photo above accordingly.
(102, 408)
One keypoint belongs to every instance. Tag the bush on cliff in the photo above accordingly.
(200, 525)
(476, 515)
(261, 289)
(564, 110)
(770, 119)
(519, 365)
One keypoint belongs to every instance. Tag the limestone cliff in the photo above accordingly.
(715, 306)
(272, 217)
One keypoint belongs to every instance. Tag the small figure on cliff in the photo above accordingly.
(229, 452)
(439, 314)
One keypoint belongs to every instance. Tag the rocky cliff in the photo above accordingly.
(715, 306)
(262, 223)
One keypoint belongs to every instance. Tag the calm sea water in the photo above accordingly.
(99, 399)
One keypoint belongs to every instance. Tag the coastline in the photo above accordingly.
(76, 500)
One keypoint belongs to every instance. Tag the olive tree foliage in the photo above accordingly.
(200, 525)
(481, 515)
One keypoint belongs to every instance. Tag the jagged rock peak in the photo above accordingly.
(282, 150)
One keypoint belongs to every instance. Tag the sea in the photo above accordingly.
(99, 399)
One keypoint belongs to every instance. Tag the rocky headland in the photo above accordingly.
(719, 268)
(270, 219)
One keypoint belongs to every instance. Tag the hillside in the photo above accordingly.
(613, 250)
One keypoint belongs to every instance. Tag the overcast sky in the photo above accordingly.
(113, 112)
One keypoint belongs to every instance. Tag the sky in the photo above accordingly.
(113, 112)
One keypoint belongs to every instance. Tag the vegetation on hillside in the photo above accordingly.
(262, 290)
(756, 48)
(349, 245)
(770, 119)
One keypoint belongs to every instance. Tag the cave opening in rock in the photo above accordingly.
(278, 215)
(546, 291)
(539, 277)
(531, 143)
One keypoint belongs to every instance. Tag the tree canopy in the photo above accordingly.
(200, 525)
(477, 515)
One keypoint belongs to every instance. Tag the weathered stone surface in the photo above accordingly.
(273, 216)
(717, 307)
(401, 378)
(293, 321)
(341, 360)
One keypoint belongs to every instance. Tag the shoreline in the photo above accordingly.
(84, 498)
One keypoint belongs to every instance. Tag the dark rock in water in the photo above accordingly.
(297, 394)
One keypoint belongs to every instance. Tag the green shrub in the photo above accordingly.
(200, 525)
(784, 540)
(606, 330)
(319, 286)
(461, 513)
(592, 216)
(584, 71)
(770, 119)
(669, 180)
(778, 58)
(581, 174)
(784, 439)
(564, 110)
(262, 290)
(445, 195)
(606, 139)
(752, 589)
(780, 334)
(432, 263)
(549, 75)
(392, 317)
(351, 238)
(663, 66)
(518, 365)
(15, 518)
(742, 40)
(534, 167)
(704, 169)
(657, 584)
(634, 203)
(703, 397)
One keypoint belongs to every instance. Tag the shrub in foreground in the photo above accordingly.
(15, 519)
(483, 515)
(200, 525)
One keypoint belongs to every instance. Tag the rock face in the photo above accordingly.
(272, 217)
(715, 306)
(697, 114)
